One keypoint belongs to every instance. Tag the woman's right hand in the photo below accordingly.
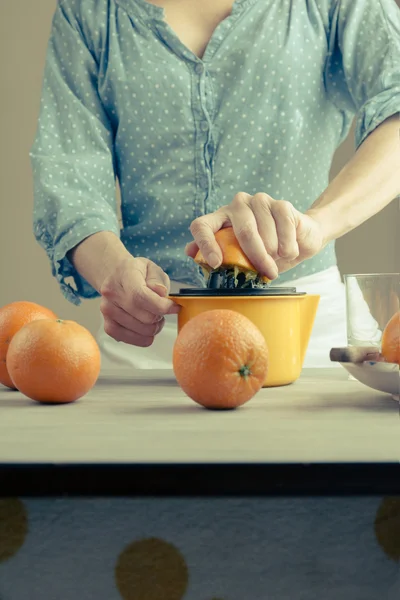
(134, 301)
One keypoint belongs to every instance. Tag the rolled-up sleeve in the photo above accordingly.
(72, 155)
(363, 71)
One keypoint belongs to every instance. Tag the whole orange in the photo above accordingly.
(391, 340)
(220, 359)
(53, 361)
(12, 317)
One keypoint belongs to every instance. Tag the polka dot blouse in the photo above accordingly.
(264, 110)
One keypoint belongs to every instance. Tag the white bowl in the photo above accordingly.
(384, 377)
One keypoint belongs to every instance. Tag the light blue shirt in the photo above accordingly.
(263, 110)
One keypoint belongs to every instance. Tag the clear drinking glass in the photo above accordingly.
(371, 301)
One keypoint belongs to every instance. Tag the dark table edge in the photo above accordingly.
(199, 480)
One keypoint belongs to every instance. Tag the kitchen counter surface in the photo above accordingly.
(142, 435)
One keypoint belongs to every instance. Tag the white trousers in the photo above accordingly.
(329, 329)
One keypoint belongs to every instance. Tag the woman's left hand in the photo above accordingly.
(272, 233)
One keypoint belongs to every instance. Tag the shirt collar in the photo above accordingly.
(145, 9)
(148, 10)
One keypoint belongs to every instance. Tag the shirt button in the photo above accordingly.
(204, 126)
(199, 69)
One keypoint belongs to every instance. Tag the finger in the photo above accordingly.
(309, 235)
(285, 265)
(145, 301)
(246, 230)
(286, 221)
(133, 295)
(260, 204)
(157, 280)
(191, 249)
(203, 230)
(120, 334)
(149, 325)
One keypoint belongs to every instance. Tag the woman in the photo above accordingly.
(210, 113)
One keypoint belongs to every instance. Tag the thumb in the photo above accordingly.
(191, 249)
(157, 280)
(203, 230)
(159, 283)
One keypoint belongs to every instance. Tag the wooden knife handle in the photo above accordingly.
(354, 354)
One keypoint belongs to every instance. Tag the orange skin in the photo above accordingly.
(54, 361)
(391, 340)
(220, 359)
(232, 253)
(12, 318)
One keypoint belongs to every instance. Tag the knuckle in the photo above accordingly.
(289, 247)
(138, 263)
(105, 308)
(107, 288)
(165, 278)
(149, 319)
(255, 201)
(110, 329)
(240, 198)
(272, 250)
(205, 245)
(157, 270)
(152, 330)
(155, 319)
(260, 198)
(261, 202)
(284, 207)
(145, 342)
(287, 252)
(197, 225)
(139, 297)
(307, 250)
(160, 326)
